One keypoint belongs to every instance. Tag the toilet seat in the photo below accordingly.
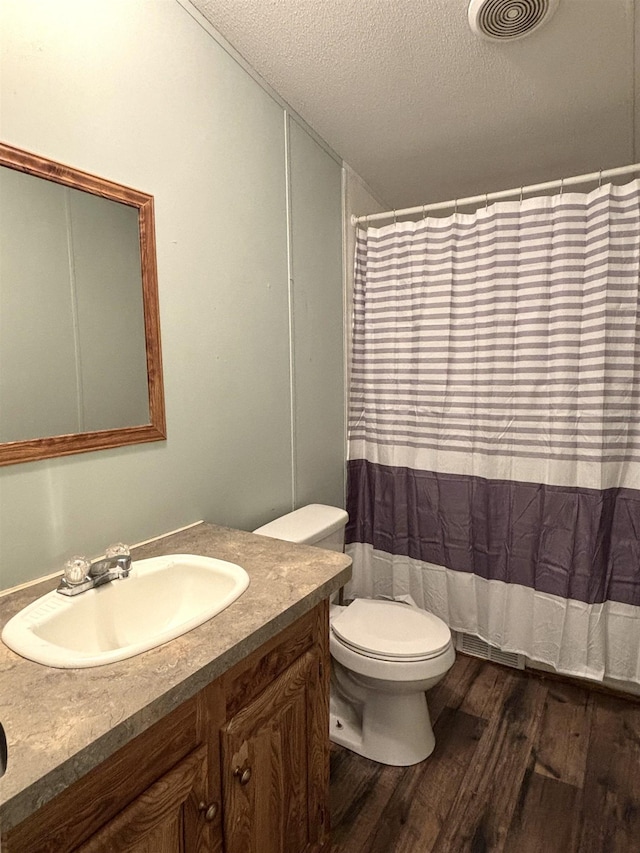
(391, 631)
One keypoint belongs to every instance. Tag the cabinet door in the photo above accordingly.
(272, 765)
(167, 818)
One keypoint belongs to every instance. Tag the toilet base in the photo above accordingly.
(390, 729)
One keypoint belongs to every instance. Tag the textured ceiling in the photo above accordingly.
(424, 110)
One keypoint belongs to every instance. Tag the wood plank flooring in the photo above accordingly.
(523, 764)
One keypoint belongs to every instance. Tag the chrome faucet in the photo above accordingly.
(81, 575)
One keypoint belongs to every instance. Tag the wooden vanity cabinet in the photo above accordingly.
(123, 790)
(243, 767)
(273, 799)
(166, 818)
(274, 743)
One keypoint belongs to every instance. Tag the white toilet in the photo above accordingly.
(385, 655)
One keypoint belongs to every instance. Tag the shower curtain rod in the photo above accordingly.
(487, 197)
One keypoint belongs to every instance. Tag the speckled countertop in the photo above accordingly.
(60, 723)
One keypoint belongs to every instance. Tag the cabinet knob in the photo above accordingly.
(242, 774)
(209, 812)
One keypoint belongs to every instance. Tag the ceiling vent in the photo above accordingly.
(507, 20)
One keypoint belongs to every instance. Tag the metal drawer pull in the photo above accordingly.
(209, 812)
(242, 774)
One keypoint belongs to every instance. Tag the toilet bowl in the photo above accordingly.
(385, 655)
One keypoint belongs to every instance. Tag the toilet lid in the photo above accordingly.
(391, 630)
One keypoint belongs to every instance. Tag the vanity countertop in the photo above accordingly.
(61, 723)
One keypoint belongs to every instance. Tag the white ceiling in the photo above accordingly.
(425, 111)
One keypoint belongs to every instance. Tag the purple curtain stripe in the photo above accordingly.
(576, 543)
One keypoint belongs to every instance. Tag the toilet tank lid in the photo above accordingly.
(307, 524)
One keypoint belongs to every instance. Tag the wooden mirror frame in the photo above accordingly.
(65, 445)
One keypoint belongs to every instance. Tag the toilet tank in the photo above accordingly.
(315, 524)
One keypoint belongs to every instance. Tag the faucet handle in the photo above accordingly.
(76, 570)
(117, 550)
(122, 556)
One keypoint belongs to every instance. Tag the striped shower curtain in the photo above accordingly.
(494, 425)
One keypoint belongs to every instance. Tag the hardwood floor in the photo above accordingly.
(523, 764)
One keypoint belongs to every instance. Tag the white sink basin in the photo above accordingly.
(162, 598)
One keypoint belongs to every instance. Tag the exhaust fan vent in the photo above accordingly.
(504, 20)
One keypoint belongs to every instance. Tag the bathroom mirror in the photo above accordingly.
(80, 356)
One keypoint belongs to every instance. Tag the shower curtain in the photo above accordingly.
(494, 425)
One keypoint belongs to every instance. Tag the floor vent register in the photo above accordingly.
(470, 645)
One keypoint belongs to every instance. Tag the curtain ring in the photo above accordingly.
(600, 179)
(521, 193)
(561, 185)
(486, 201)
(394, 218)
(424, 211)
(455, 207)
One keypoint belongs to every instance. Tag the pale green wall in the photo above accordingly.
(317, 299)
(138, 92)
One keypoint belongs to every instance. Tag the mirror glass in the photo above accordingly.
(80, 365)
